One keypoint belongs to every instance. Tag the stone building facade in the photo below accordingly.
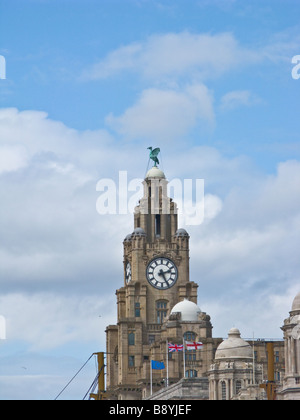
(233, 368)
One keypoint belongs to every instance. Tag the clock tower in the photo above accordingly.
(156, 278)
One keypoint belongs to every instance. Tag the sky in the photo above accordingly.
(89, 86)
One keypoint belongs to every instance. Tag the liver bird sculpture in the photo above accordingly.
(153, 155)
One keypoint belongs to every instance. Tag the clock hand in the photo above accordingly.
(162, 273)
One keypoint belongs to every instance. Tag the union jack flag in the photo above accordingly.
(175, 347)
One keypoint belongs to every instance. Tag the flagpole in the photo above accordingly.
(150, 377)
(167, 357)
(253, 355)
(183, 357)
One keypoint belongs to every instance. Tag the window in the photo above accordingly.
(137, 307)
(157, 225)
(131, 361)
(191, 373)
(238, 386)
(190, 355)
(276, 356)
(161, 311)
(131, 339)
(151, 338)
(189, 336)
(223, 390)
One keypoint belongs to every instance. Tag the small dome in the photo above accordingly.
(155, 172)
(128, 237)
(138, 232)
(234, 347)
(189, 310)
(296, 303)
(181, 232)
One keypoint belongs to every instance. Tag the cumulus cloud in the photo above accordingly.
(53, 240)
(173, 55)
(165, 114)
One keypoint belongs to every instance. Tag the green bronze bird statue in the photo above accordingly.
(153, 155)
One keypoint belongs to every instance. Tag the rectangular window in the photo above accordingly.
(131, 361)
(189, 336)
(151, 338)
(131, 339)
(238, 386)
(137, 309)
(161, 311)
(157, 225)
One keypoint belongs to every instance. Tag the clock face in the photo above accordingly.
(128, 273)
(161, 273)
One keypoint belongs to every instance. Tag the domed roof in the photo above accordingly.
(296, 303)
(155, 172)
(189, 310)
(234, 347)
(181, 232)
(128, 237)
(138, 232)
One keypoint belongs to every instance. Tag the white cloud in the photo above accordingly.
(237, 98)
(124, 58)
(176, 55)
(53, 240)
(165, 114)
(52, 320)
(12, 158)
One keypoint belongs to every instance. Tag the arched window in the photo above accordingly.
(223, 390)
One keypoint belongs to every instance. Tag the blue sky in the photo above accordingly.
(89, 86)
